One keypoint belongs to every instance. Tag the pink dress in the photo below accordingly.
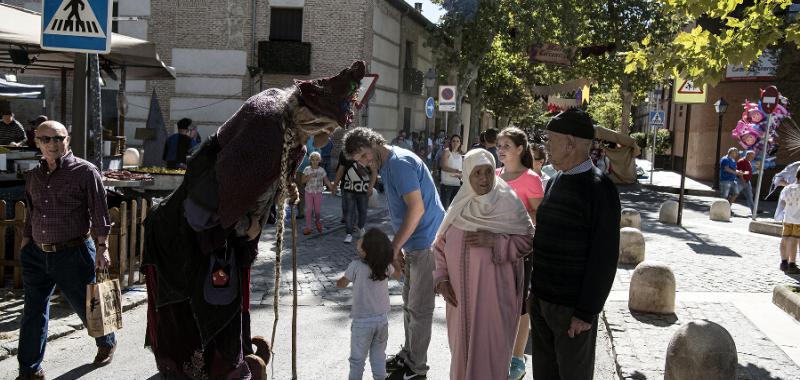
(528, 185)
(488, 284)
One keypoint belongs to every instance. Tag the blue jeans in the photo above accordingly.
(356, 202)
(70, 269)
(728, 189)
(447, 192)
(368, 335)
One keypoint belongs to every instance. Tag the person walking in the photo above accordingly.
(745, 169)
(728, 188)
(370, 274)
(415, 212)
(66, 201)
(788, 212)
(358, 182)
(479, 271)
(450, 164)
(314, 176)
(576, 247)
(515, 154)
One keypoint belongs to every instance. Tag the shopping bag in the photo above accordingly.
(103, 305)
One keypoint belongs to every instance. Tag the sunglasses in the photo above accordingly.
(47, 139)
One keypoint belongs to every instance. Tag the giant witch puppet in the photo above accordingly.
(201, 240)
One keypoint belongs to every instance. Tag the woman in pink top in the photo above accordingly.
(515, 154)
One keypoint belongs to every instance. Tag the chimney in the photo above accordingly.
(418, 7)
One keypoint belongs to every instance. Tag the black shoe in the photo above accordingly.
(394, 363)
(409, 375)
(793, 269)
(784, 266)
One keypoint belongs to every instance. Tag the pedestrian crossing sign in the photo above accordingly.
(82, 26)
(656, 119)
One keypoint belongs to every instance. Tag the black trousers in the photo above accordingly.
(556, 356)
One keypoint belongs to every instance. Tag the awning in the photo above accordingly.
(11, 90)
(21, 30)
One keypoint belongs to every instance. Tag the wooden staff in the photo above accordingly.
(294, 293)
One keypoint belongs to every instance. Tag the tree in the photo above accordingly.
(716, 34)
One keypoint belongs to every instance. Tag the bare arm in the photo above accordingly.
(342, 282)
(415, 208)
(443, 163)
(534, 205)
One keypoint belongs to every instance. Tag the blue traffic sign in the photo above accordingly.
(430, 106)
(656, 119)
(77, 25)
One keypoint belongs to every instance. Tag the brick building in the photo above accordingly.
(215, 45)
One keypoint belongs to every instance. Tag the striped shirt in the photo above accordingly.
(12, 133)
(65, 203)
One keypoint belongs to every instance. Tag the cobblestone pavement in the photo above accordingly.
(705, 256)
(640, 341)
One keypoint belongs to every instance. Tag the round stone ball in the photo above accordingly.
(668, 212)
(630, 218)
(631, 246)
(701, 349)
(652, 289)
(720, 211)
(131, 157)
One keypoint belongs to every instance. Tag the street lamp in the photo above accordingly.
(720, 106)
(430, 81)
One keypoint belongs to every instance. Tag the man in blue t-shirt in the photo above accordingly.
(727, 175)
(416, 213)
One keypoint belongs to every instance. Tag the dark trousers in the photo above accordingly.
(555, 354)
(356, 203)
(71, 270)
(447, 193)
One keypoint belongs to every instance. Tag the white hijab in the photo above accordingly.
(498, 211)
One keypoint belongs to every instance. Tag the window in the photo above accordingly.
(286, 24)
(407, 121)
(410, 53)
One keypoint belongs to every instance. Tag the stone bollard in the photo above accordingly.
(630, 218)
(720, 211)
(701, 349)
(652, 289)
(668, 212)
(631, 246)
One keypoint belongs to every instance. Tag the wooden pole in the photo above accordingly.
(294, 293)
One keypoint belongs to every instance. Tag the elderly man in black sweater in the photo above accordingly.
(575, 253)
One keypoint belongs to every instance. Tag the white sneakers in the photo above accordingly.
(348, 238)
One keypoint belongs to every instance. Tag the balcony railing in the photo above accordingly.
(413, 80)
(284, 57)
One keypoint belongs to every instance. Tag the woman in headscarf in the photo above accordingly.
(479, 250)
(202, 239)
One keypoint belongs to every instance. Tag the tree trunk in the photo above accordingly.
(627, 99)
(476, 105)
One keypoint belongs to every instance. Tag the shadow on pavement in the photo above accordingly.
(716, 250)
(658, 320)
(77, 373)
(636, 375)
(754, 372)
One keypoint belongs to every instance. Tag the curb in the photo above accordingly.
(60, 328)
(784, 297)
(766, 228)
(674, 190)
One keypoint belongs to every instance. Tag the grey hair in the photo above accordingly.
(732, 149)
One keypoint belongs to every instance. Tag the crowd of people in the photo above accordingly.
(514, 255)
(478, 254)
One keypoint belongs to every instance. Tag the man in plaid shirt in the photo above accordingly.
(66, 200)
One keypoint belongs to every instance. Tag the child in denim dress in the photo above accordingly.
(370, 312)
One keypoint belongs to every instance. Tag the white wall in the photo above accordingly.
(209, 61)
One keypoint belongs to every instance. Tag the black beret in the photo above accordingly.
(573, 122)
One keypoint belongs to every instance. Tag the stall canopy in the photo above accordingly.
(622, 157)
(12, 90)
(20, 33)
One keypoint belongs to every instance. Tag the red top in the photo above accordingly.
(527, 185)
(745, 166)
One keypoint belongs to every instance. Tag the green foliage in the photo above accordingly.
(606, 109)
(662, 140)
(727, 33)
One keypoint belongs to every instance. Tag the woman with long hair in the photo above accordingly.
(451, 164)
(515, 154)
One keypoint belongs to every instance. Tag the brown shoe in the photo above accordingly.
(104, 355)
(33, 376)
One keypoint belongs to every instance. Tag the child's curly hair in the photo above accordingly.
(378, 249)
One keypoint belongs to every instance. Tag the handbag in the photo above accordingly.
(103, 305)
